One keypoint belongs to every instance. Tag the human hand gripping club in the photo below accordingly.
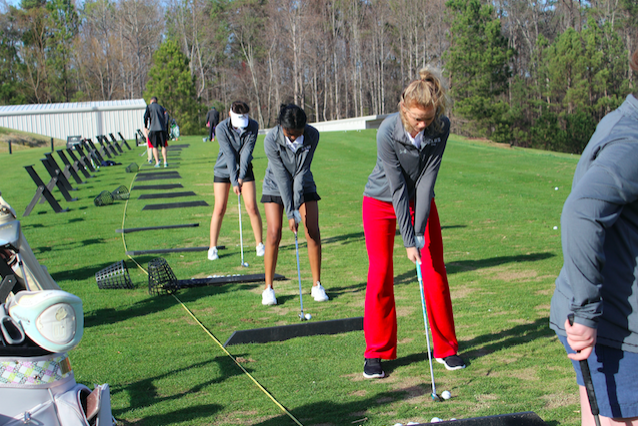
(583, 337)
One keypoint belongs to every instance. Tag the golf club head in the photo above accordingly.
(436, 398)
(302, 317)
(245, 264)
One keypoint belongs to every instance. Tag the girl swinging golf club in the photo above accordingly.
(410, 145)
(290, 187)
(236, 137)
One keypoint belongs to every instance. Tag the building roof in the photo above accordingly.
(29, 109)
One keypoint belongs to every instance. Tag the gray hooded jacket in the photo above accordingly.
(599, 278)
(288, 173)
(235, 150)
(404, 173)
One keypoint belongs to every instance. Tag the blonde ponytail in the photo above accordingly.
(428, 91)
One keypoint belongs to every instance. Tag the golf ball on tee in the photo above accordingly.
(308, 316)
(446, 395)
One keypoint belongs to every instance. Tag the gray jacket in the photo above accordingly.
(156, 115)
(288, 173)
(235, 150)
(404, 173)
(599, 278)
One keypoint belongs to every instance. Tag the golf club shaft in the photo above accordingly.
(425, 321)
(299, 275)
(589, 384)
(241, 234)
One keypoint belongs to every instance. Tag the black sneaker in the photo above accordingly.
(372, 369)
(452, 362)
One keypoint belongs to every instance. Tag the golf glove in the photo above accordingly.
(296, 216)
(420, 241)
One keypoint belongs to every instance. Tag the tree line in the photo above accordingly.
(531, 73)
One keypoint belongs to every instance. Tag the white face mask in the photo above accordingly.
(239, 121)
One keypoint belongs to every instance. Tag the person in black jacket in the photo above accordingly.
(155, 123)
(212, 120)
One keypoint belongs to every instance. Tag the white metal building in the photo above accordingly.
(86, 119)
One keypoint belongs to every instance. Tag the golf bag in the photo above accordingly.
(174, 130)
(39, 324)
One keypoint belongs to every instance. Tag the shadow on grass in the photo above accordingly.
(144, 393)
(472, 265)
(506, 339)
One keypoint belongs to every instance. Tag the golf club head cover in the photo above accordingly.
(53, 319)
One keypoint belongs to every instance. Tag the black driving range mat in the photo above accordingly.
(142, 178)
(172, 250)
(153, 228)
(166, 195)
(228, 279)
(175, 205)
(158, 187)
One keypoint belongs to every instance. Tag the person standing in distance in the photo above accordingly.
(598, 283)
(236, 137)
(290, 187)
(410, 146)
(212, 120)
(155, 123)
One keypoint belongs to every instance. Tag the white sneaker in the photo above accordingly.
(204, 139)
(261, 249)
(268, 297)
(319, 293)
(212, 253)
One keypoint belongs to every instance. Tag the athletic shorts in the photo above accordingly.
(157, 138)
(614, 374)
(250, 177)
(307, 196)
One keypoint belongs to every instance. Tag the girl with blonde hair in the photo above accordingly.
(410, 146)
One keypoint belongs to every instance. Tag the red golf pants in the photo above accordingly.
(380, 319)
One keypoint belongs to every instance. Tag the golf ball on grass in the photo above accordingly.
(446, 395)
(308, 316)
(436, 420)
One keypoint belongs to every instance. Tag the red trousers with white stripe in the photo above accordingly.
(380, 319)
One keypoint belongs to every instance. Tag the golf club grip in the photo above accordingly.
(589, 385)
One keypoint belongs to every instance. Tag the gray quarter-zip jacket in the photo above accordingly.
(599, 278)
(235, 150)
(155, 115)
(405, 173)
(288, 173)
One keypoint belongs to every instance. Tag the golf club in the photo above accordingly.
(434, 395)
(302, 317)
(241, 235)
(589, 385)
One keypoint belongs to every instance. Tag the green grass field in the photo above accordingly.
(498, 210)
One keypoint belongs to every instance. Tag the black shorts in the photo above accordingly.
(250, 177)
(158, 138)
(307, 196)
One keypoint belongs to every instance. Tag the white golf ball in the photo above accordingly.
(436, 420)
(446, 395)
(556, 189)
(555, 228)
(308, 316)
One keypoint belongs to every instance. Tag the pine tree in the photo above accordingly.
(171, 82)
(477, 63)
